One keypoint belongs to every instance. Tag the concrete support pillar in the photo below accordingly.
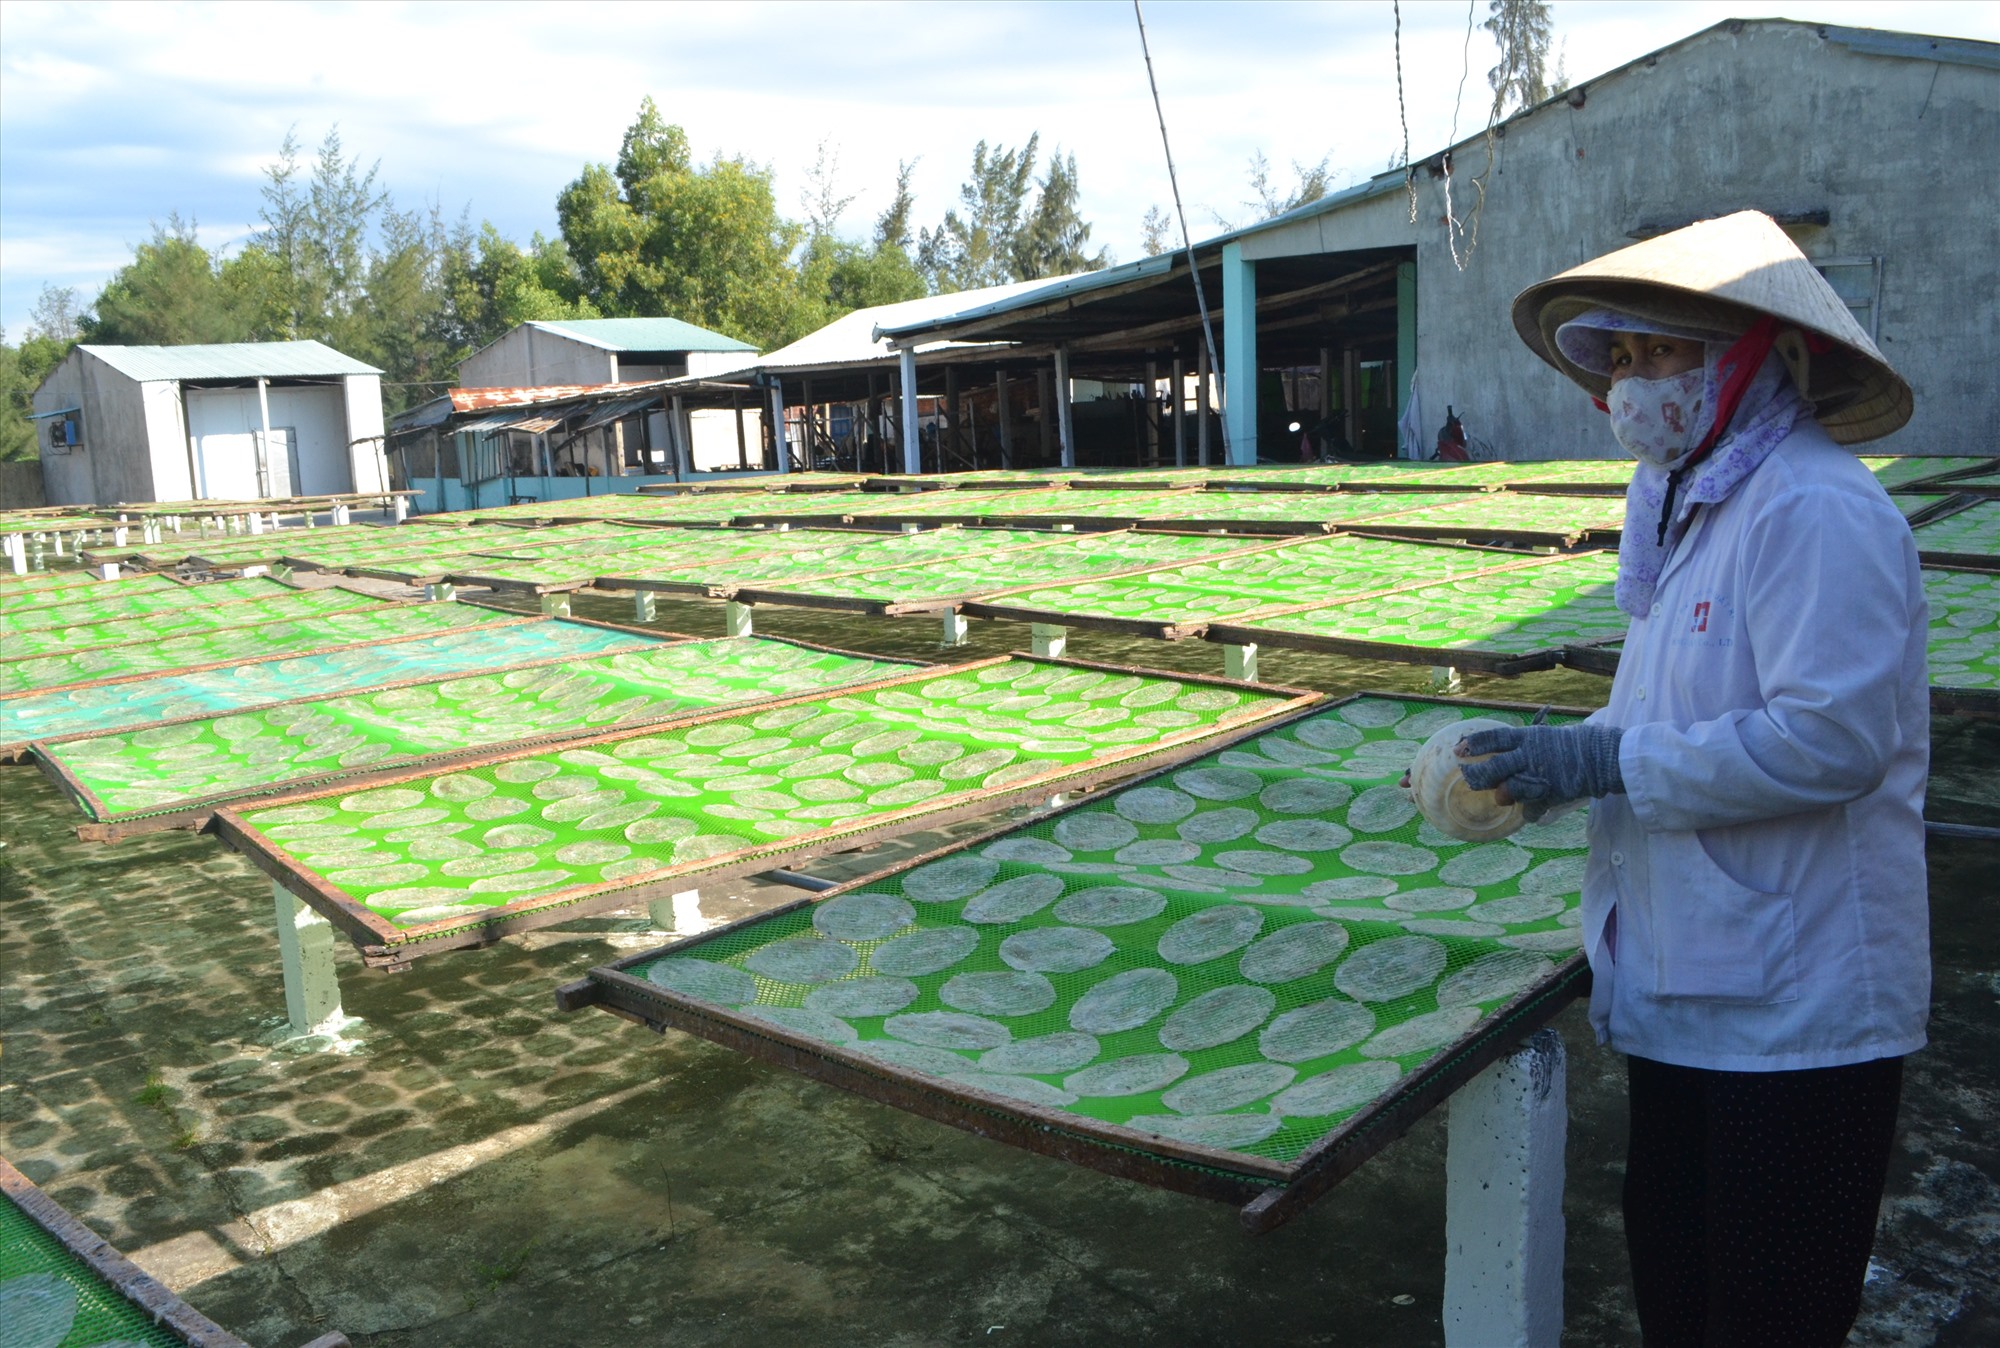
(56, 537)
(906, 406)
(1152, 414)
(1350, 392)
(440, 592)
(953, 417)
(121, 537)
(1240, 662)
(1239, 355)
(1006, 409)
(1445, 680)
(677, 424)
(1179, 400)
(1204, 380)
(264, 439)
(1048, 639)
(955, 629)
(1065, 421)
(1503, 1221)
(401, 508)
(344, 513)
(254, 521)
(305, 949)
(679, 913)
(1406, 334)
(778, 446)
(1045, 405)
(17, 554)
(645, 606)
(736, 620)
(108, 571)
(555, 605)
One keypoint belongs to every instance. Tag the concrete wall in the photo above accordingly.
(1773, 117)
(527, 358)
(114, 463)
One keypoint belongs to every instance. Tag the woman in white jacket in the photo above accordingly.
(1754, 909)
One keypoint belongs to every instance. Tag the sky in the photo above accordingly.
(113, 116)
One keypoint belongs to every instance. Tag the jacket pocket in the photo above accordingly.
(1715, 937)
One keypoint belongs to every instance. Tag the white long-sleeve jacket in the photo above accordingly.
(1756, 901)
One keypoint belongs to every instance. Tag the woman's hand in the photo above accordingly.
(1544, 763)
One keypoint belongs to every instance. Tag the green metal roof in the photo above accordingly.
(642, 334)
(232, 360)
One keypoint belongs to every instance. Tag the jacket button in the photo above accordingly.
(1618, 858)
(1642, 693)
(1656, 610)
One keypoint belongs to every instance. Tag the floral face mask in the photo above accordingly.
(1657, 420)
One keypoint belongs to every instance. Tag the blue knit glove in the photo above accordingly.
(1546, 763)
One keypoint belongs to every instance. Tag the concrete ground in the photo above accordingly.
(469, 1168)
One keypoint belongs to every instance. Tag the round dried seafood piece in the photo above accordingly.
(1380, 809)
(1389, 858)
(1561, 939)
(1487, 865)
(1033, 851)
(1124, 1001)
(711, 982)
(916, 1057)
(1139, 1074)
(1383, 971)
(1158, 852)
(1218, 783)
(1026, 1089)
(1293, 952)
(1223, 1131)
(863, 917)
(1305, 795)
(949, 880)
(1422, 1034)
(1154, 805)
(1316, 1030)
(1258, 861)
(1012, 993)
(1562, 876)
(923, 952)
(1056, 950)
(1427, 723)
(1338, 1091)
(1562, 833)
(863, 997)
(1304, 835)
(947, 1029)
(1217, 1017)
(803, 959)
(1094, 831)
(1044, 1055)
(1110, 906)
(38, 1310)
(1492, 977)
(1213, 826)
(1370, 713)
(1349, 888)
(1012, 900)
(1518, 908)
(812, 1024)
(1326, 732)
(1210, 933)
(1228, 1088)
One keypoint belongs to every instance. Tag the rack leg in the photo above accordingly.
(956, 629)
(736, 620)
(645, 606)
(678, 913)
(1240, 662)
(1445, 680)
(441, 592)
(1503, 1223)
(1048, 640)
(305, 947)
(555, 605)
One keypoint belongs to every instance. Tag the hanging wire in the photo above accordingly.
(1187, 242)
(1402, 107)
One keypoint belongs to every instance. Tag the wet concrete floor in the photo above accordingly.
(469, 1168)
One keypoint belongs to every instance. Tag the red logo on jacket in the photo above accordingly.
(1700, 617)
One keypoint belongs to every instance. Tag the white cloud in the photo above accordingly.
(496, 107)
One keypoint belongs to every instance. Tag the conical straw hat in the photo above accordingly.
(1723, 275)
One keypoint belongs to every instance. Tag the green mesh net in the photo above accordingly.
(198, 615)
(173, 767)
(383, 622)
(1241, 953)
(1516, 513)
(163, 596)
(541, 830)
(1894, 472)
(1507, 613)
(239, 687)
(49, 1296)
(1972, 532)
(1073, 556)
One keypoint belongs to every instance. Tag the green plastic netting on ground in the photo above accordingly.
(76, 609)
(1965, 629)
(683, 553)
(172, 767)
(18, 589)
(1894, 472)
(1509, 613)
(1972, 532)
(51, 1299)
(1293, 574)
(770, 559)
(1073, 556)
(1977, 480)
(239, 687)
(384, 622)
(542, 827)
(1516, 513)
(229, 615)
(1240, 953)
(61, 589)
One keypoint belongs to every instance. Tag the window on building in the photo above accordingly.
(1858, 282)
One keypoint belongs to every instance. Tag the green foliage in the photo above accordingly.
(22, 369)
(1155, 231)
(175, 291)
(1001, 237)
(1054, 240)
(1522, 28)
(1311, 182)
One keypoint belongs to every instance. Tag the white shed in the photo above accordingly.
(601, 351)
(237, 422)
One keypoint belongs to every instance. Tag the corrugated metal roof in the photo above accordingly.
(232, 360)
(860, 337)
(479, 399)
(641, 334)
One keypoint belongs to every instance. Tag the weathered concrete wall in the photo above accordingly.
(1773, 117)
(114, 463)
(527, 358)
